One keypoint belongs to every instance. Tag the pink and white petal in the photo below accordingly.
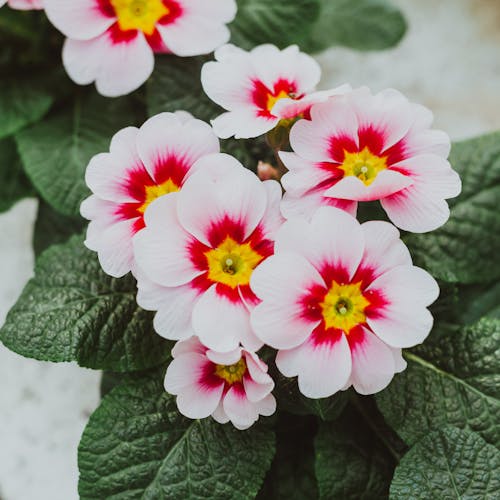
(162, 247)
(257, 368)
(193, 33)
(222, 11)
(78, 19)
(331, 119)
(267, 406)
(256, 392)
(166, 135)
(322, 369)
(117, 67)
(238, 195)
(188, 346)
(224, 358)
(305, 205)
(384, 249)
(25, 4)
(173, 318)
(272, 219)
(101, 213)
(400, 363)
(199, 401)
(185, 370)
(219, 415)
(217, 166)
(123, 146)
(303, 175)
(415, 210)
(431, 141)
(114, 248)
(373, 363)
(239, 409)
(386, 183)
(220, 323)
(243, 123)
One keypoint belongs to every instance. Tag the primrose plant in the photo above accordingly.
(239, 272)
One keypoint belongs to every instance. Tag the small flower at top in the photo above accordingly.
(201, 246)
(232, 386)
(260, 88)
(339, 300)
(364, 147)
(142, 165)
(23, 4)
(112, 42)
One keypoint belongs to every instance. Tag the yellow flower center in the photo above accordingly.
(142, 15)
(155, 191)
(273, 99)
(364, 165)
(232, 263)
(344, 306)
(232, 373)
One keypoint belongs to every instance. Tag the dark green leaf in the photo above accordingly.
(351, 462)
(453, 378)
(56, 152)
(461, 249)
(279, 22)
(22, 102)
(448, 463)
(137, 445)
(51, 227)
(176, 85)
(360, 24)
(71, 310)
(13, 183)
(292, 475)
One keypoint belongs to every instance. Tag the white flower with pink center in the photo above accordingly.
(23, 4)
(339, 300)
(142, 165)
(260, 88)
(112, 42)
(364, 147)
(232, 386)
(201, 245)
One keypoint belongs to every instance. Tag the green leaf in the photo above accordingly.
(351, 462)
(279, 22)
(22, 102)
(459, 250)
(448, 463)
(56, 152)
(292, 475)
(138, 445)
(71, 310)
(51, 227)
(453, 378)
(176, 85)
(360, 24)
(13, 183)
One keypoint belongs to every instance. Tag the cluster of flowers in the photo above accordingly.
(230, 264)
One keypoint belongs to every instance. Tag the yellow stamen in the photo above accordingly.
(232, 373)
(364, 165)
(273, 99)
(155, 191)
(142, 15)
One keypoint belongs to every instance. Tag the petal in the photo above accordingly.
(257, 391)
(78, 19)
(238, 195)
(243, 123)
(373, 362)
(272, 219)
(162, 247)
(166, 136)
(242, 412)
(386, 183)
(117, 67)
(188, 346)
(222, 324)
(185, 370)
(225, 358)
(323, 242)
(322, 368)
(219, 415)
(198, 401)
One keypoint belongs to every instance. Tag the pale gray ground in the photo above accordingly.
(449, 61)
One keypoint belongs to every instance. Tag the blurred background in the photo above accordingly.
(449, 61)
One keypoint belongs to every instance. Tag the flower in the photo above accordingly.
(23, 4)
(205, 241)
(142, 165)
(339, 300)
(261, 87)
(112, 42)
(233, 386)
(364, 147)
